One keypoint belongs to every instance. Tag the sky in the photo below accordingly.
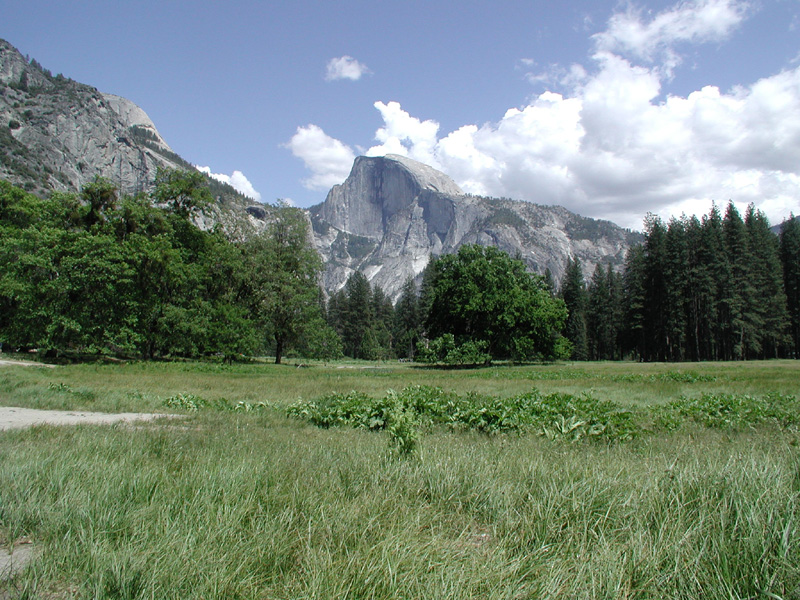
(612, 109)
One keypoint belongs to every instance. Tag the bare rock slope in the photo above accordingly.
(392, 213)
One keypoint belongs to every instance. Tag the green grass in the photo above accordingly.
(233, 504)
(143, 386)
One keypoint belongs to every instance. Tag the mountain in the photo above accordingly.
(57, 134)
(392, 213)
(386, 220)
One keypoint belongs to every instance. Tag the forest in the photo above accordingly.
(92, 274)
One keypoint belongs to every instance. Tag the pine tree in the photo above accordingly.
(633, 289)
(573, 293)
(407, 320)
(740, 321)
(768, 305)
(790, 260)
(357, 314)
(600, 326)
(656, 308)
(714, 273)
(676, 272)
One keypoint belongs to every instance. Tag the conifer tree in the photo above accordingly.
(767, 306)
(633, 289)
(407, 320)
(739, 319)
(790, 259)
(357, 314)
(600, 315)
(573, 293)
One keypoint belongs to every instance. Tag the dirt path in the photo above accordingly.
(15, 418)
(24, 363)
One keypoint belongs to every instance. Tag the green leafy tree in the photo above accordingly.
(100, 195)
(285, 272)
(183, 192)
(481, 294)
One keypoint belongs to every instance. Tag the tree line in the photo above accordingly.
(96, 274)
(720, 287)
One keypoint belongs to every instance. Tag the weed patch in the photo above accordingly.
(731, 411)
(193, 403)
(557, 415)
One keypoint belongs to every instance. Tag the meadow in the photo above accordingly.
(284, 482)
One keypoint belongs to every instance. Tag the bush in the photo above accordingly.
(444, 350)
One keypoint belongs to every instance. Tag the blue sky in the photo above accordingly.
(612, 109)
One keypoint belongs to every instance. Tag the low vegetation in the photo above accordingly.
(601, 480)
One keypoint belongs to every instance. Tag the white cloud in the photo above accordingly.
(236, 180)
(405, 135)
(612, 146)
(328, 159)
(345, 67)
(695, 21)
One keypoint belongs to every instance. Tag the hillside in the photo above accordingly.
(57, 134)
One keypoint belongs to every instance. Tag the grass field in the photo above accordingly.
(227, 503)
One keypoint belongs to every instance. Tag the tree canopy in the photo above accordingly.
(481, 294)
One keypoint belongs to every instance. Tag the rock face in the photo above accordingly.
(57, 134)
(393, 213)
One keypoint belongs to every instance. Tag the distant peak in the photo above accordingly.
(426, 176)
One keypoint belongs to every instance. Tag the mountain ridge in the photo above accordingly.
(392, 213)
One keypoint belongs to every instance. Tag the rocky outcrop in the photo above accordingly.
(393, 213)
(57, 134)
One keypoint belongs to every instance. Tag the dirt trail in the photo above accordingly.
(12, 417)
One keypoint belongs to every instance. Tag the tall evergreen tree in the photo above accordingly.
(740, 320)
(676, 270)
(713, 276)
(604, 314)
(407, 320)
(357, 314)
(573, 293)
(767, 306)
(633, 284)
(790, 259)
(656, 304)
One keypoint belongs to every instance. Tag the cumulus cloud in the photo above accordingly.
(697, 21)
(328, 159)
(236, 180)
(345, 67)
(611, 145)
(405, 135)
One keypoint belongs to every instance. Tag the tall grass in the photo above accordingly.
(255, 506)
(226, 504)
